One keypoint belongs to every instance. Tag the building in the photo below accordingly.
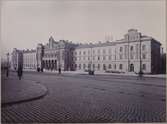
(55, 55)
(29, 60)
(134, 53)
(17, 59)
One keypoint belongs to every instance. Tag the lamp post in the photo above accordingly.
(91, 71)
(59, 60)
(7, 68)
(140, 71)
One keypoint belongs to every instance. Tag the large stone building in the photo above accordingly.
(130, 54)
(133, 53)
(55, 55)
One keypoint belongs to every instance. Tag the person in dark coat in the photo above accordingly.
(20, 72)
(59, 70)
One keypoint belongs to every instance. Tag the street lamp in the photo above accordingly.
(91, 71)
(59, 60)
(7, 68)
(140, 72)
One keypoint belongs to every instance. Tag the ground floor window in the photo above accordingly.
(120, 66)
(84, 66)
(98, 66)
(131, 68)
(115, 66)
(109, 66)
(144, 66)
(93, 66)
(79, 66)
(89, 66)
(104, 67)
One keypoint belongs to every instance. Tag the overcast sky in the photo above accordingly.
(26, 23)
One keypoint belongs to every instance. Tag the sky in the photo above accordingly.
(25, 23)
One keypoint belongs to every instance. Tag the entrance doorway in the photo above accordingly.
(131, 68)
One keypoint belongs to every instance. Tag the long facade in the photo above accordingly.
(134, 53)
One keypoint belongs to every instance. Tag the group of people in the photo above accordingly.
(20, 72)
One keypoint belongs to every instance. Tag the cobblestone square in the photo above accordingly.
(85, 98)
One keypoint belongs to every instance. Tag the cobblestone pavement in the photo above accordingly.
(15, 90)
(84, 98)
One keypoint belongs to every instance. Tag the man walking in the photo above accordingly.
(20, 72)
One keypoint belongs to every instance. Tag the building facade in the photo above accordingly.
(17, 59)
(29, 60)
(55, 55)
(134, 53)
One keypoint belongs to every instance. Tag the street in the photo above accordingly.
(87, 98)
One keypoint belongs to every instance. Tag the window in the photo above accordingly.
(104, 67)
(84, 52)
(93, 51)
(143, 47)
(120, 66)
(84, 66)
(93, 66)
(131, 48)
(75, 65)
(88, 58)
(79, 66)
(104, 58)
(98, 66)
(89, 66)
(93, 58)
(79, 52)
(144, 56)
(109, 66)
(98, 58)
(115, 66)
(144, 66)
(120, 49)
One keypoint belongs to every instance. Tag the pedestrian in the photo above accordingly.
(20, 72)
(7, 71)
(59, 70)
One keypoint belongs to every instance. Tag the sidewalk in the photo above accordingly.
(104, 73)
(16, 91)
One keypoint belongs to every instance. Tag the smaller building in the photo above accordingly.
(29, 60)
(17, 59)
